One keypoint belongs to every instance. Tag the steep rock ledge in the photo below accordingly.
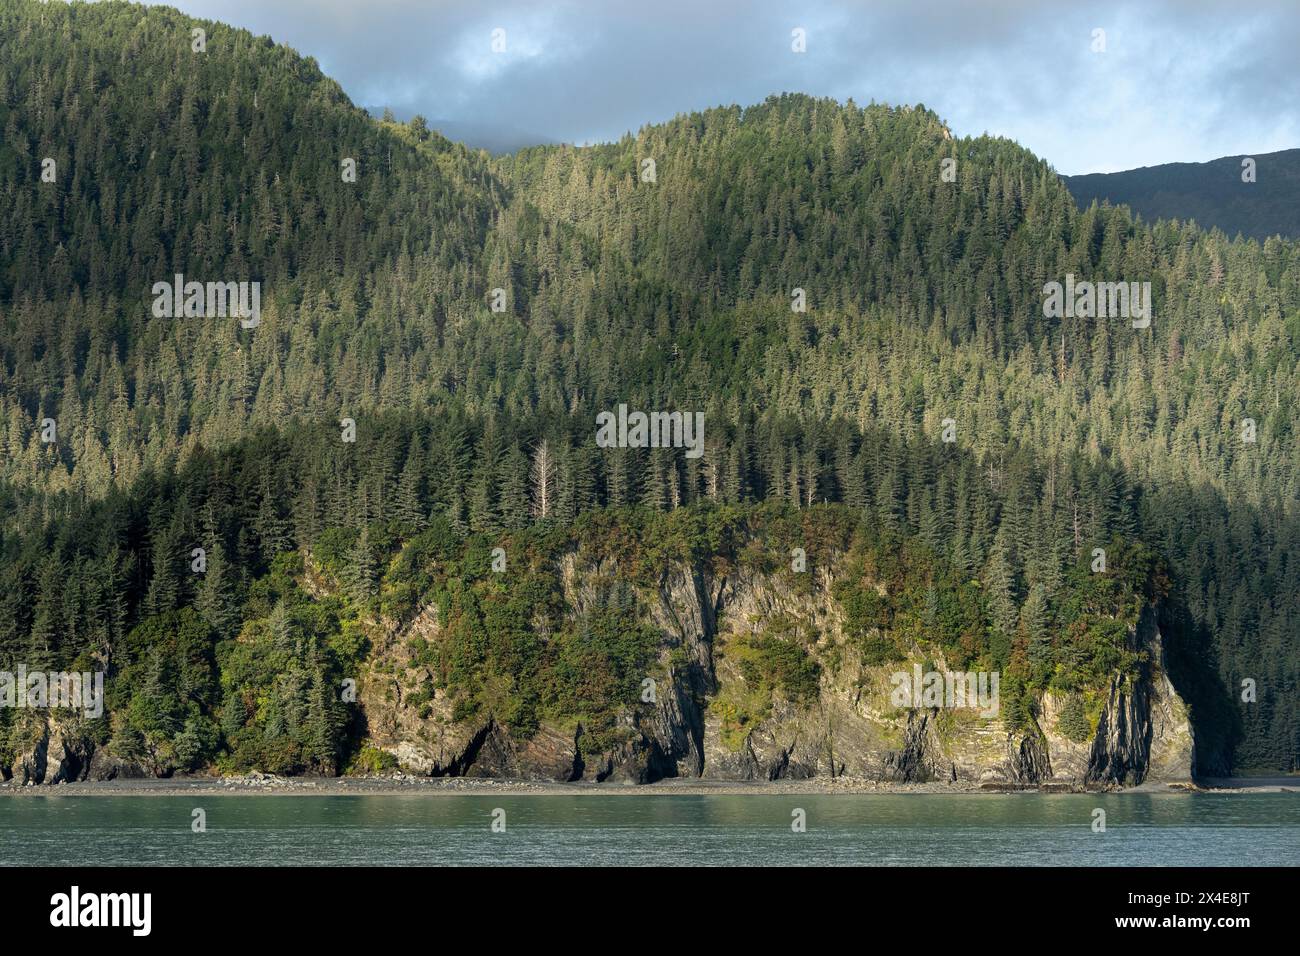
(850, 728)
(1142, 735)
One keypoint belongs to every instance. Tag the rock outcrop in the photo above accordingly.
(50, 747)
(1137, 730)
(852, 728)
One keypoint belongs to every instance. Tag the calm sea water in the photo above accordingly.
(883, 830)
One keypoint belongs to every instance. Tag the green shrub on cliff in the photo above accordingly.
(773, 666)
(1072, 723)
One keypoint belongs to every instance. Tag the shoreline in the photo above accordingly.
(401, 784)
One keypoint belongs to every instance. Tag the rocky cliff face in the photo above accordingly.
(852, 728)
(705, 719)
(53, 747)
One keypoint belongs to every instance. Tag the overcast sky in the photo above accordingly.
(1180, 80)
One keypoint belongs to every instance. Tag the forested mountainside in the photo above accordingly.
(1254, 196)
(667, 286)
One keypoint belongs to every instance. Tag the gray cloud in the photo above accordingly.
(1185, 80)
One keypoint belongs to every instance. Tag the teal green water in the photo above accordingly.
(883, 830)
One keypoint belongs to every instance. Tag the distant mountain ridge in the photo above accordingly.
(496, 138)
(1211, 194)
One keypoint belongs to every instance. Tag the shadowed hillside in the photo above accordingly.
(1211, 194)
